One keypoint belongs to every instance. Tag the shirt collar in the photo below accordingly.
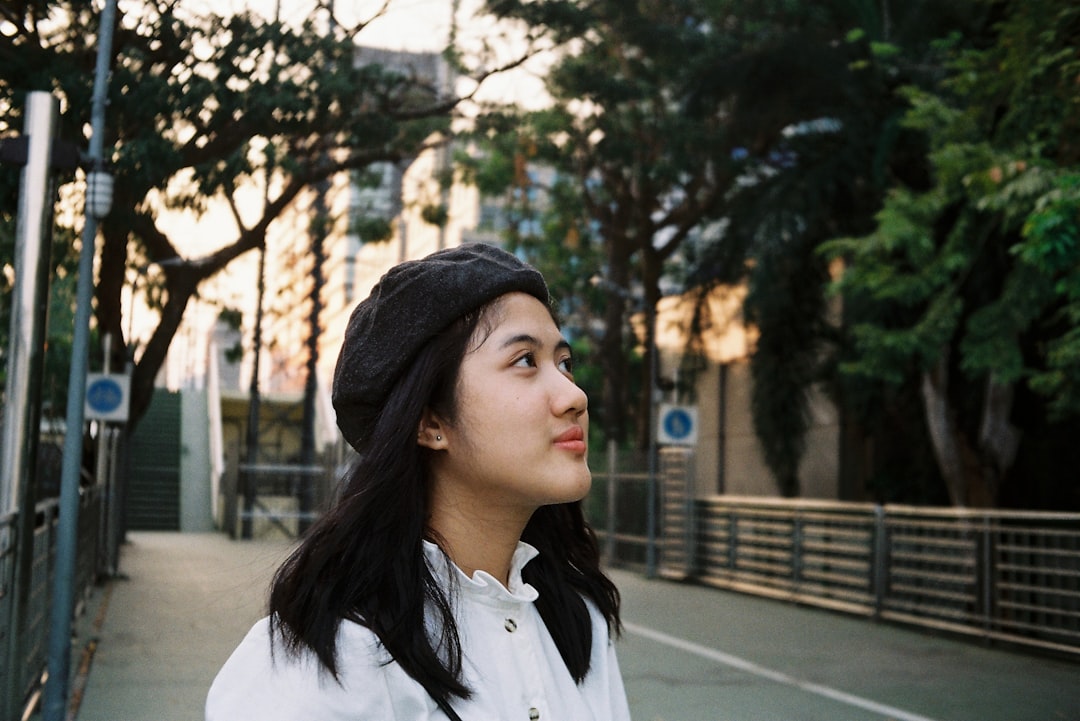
(482, 585)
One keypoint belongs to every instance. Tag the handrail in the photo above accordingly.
(33, 629)
(1001, 575)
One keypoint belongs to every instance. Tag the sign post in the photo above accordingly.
(108, 397)
(677, 426)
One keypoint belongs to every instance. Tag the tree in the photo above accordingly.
(790, 112)
(972, 277)
(818, 143)
(202, 106)
(641, 147)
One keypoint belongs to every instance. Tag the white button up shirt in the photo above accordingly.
(510, 662)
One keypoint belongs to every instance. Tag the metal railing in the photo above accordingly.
(616, 506)
(1009, 576)
(33, 629)
(805, 551)
(1001, 575)
(286, 496)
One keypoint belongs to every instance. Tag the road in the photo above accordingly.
(688, 653)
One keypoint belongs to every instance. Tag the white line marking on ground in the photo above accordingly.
(750, 667)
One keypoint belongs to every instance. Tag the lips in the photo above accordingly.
(572, 439)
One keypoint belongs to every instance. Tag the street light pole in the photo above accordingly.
(652, 484)
(63, 601)
(251, 454)
(306, 492)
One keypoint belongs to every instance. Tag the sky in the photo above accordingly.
(406, 25)
(414, 25)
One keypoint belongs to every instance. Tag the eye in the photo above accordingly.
(525, 360)
(566, 365)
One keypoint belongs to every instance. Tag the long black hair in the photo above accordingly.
(363, 560)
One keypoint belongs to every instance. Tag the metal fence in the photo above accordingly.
(24, 642)
(616, 506)
(1000, 575)
(1007, 576)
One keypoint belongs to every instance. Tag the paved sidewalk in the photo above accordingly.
(689, 653)
(182, 605)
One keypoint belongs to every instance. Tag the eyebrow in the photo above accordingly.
(534, 341)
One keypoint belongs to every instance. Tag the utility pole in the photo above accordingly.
(248, 470)
(320, 223)
(63, 601)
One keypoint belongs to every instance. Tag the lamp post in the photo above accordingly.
(99, 193)
(63, 601)
(650, 502)
(99, 187)
(251, 457)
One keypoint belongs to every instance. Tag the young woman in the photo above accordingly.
(455, 577)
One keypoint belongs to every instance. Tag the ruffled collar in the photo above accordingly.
(482, 585)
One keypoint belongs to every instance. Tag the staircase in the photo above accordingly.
(153, 484)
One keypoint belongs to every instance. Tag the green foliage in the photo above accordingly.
(979, 265)
(634, 143)
(58, 342)
(59, 318)
(232, 317)
(200, 106)
(1051, 243)
(983, 255)
(235, 353)
(371, 229)
(785, 299)
(897, 267)
(938, 188)
(435, 214)
(816, 146)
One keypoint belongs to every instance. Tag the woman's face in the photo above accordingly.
(520, 427)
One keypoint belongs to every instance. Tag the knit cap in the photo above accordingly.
(411, 303)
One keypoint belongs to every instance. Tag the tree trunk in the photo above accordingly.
(612, 355)
(941, 424)
(110, 286)
(999, 441)
(181, 283)
(972, 474)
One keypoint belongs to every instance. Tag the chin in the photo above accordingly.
(583, 486)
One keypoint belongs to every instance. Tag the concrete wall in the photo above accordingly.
(819, 471)
(708, 467)
(728, 458)
(745, 472)
(195, 487)
(728, 455)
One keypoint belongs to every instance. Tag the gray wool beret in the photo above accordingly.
(410, 304)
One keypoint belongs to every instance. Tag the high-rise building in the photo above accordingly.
(411, 200)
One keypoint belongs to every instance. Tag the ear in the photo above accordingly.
(432, 431)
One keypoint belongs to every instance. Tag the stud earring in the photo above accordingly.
(438, 438)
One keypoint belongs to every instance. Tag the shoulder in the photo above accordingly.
(603, 684)
(599, 623)
(261, 680)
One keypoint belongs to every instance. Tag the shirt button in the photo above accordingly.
(534, 714)
(510, 625)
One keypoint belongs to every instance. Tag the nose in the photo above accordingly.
(568, 397)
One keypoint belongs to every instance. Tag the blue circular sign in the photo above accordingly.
(104, 395)
(678, 424)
